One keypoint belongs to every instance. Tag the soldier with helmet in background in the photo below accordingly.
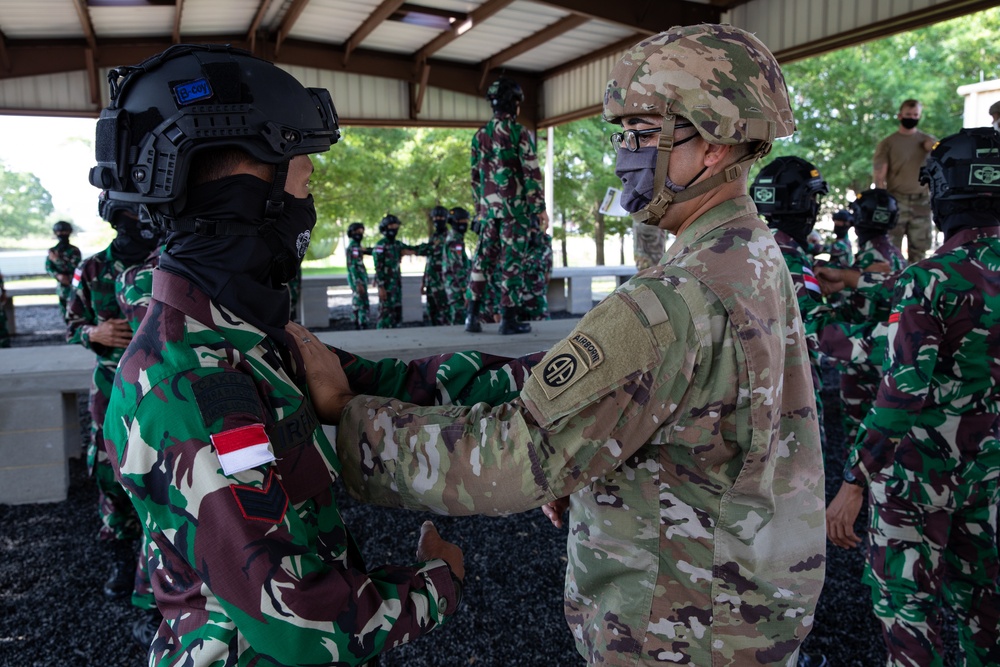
(455, 263)
(928, 454)
(95, 321)
(841, 250)
(388, 252)
(436, 304)
(209, 428)
(61, 261)
(507, 190)
(676, 421)
(357, 274)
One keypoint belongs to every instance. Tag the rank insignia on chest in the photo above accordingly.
(242, 448)
(569, 361)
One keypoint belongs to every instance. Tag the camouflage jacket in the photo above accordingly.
(62, 260)
(93, 301)
(841, 253)
(936, 419)
(356, 271)
(506, 178)
(455, 263)
(679, 416)
(220, 452)
(134, 289)
(387, 255)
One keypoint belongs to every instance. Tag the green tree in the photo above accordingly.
(24, 204)
(583, 171)
(846, 101)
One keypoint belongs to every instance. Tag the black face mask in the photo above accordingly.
(840, 231)
(460, 228)
(909, 123)
(135, 240)
(358, 237)
(390, 234)
(294, 231)
(62, 240)
(440, 226)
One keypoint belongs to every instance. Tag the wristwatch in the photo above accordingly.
(850, 478)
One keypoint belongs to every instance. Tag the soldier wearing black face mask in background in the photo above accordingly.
(841, 250)
(357, 274)
(896, 167)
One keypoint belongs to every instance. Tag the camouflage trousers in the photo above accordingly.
(914, 223)
(926, 552)
(436, 307)
(390, 309)
(503, 244)
(64, 292)
(4, 331)
(535, 307)
(359, 305)
(455, 292)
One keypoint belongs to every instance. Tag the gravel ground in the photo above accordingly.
(52, 612)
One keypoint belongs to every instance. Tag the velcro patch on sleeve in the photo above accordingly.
(566, 365)
(222, 394)
(268, 503)
(650, 305)
(242, 448)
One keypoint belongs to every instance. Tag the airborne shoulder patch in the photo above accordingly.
(569, 361)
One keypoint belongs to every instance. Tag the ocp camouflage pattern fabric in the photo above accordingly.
(679, 418)
(255, 566)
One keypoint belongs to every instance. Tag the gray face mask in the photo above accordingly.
(637, 171)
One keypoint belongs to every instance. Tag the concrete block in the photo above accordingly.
(33, 464)
(34, 484)
(313, 308)
(581, 294)
(556, 295)
(413, 304)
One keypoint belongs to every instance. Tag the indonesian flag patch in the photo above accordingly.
(810, 280)
(242, 448)
(77, 277)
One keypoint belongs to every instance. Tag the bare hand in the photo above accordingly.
(555, 510)
(841, 515)
(432, 545)
(381, 294)
(110, 333)
(328, 385)
(543, 220)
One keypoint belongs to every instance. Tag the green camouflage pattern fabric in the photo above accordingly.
(841, 253)
(537, 269)
(357, 279)
(387, 255)
(678, 417)
(930, 450)
(257, 566)
(92, 302)
(432, 286)
(4, 331)
(134, 289)
(721, 78)
(60, 263)
(455, 266)
(507, 191)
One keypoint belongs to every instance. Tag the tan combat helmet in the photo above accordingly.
(721, 78)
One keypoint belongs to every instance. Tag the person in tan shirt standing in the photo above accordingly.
(896, 167)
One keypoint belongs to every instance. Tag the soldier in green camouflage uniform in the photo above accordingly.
(61, 261)
(357, 274)
(537, 269)
(507, 190)
(456, 264)
(210, 423)
(677, 414)
(4, 331)
(94, 320)
(929, 451)
(436, 303)
(841, 250)
(388, 252)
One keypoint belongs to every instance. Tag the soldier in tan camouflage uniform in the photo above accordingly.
(210, 428)
(678, 416)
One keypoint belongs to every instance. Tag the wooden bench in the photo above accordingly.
(14, 291)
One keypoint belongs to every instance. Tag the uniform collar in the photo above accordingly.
(709, 221)
(967, 235)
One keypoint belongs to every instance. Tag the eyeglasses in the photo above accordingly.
(632, 139)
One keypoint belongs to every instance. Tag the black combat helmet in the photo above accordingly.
(785, 192)
(389, 219)
(963, 173)
(355, 227)
(504, 95)
(875, 211)
(457, 215)
(843, 216)
(62, 227)
(113, 210)
(171, 106)
(439, 212)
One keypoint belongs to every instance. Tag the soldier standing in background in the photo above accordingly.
(456, 264)
(357, 274)
(388, 252)
(686, 447)
(436, 304)
(841, 251)
(217, 445)
(507, 190)
(648, 245)
(537, 270)
(896, 168)
(94, 320)
(928, 454)
(62, 260)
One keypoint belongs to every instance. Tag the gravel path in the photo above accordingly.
(51, 569)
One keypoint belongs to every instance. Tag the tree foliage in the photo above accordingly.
(374, 171)
(24, 204)
(846, 101)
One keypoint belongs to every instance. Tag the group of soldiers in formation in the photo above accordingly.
(446, 272)
(679, 423)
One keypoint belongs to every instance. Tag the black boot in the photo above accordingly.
(122, 578)
(472, 323)
(144, 629)
(510, 325)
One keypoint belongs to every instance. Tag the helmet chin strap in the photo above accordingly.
(653, 212)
